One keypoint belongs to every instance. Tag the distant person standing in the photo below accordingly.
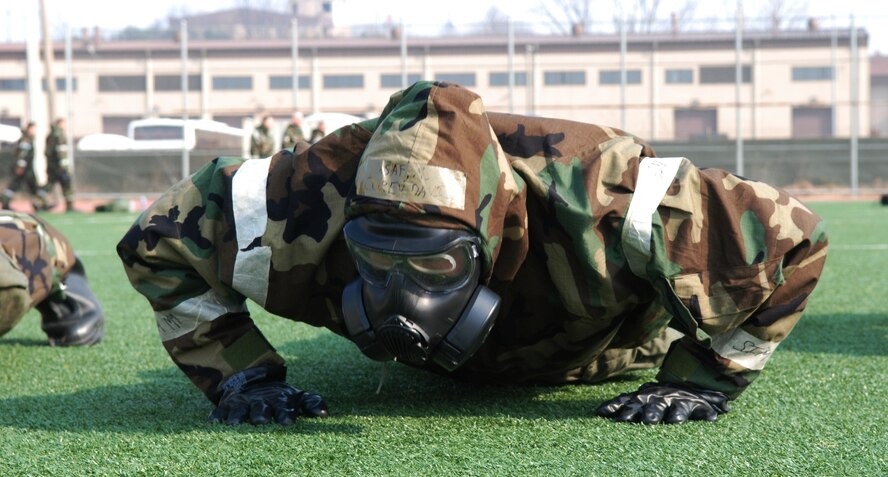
(294, 133)
(57, 163)
(22, 171)
(262, 142)
(318, 133)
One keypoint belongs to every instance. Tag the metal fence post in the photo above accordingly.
(403, 38)
(69, 99)
(855, 111)
(294, 58)
(738, 80)
(183, 39)
(623, 48)
(511, 48)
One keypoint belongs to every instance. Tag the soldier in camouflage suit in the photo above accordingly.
(600, 254)
(261, 142)
(294, 133)
(22, 171)
(38, 269)
(57, 163)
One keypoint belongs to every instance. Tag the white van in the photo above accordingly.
(168, 133)
(9, 134)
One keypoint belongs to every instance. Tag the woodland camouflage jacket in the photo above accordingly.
(36, 256)
(592, 243)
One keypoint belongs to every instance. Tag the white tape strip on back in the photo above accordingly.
(655, 175)
(248, 197)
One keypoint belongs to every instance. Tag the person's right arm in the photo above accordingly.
(177, 255)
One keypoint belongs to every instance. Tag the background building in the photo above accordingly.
(802, 107)
(795, 84)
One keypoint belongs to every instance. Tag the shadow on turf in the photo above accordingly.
(164, 402)
(22, 342)
(849, 335)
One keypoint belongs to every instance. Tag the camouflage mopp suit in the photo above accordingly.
(595, 245)
(38, 269)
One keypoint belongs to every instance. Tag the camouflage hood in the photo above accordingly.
(434, 160)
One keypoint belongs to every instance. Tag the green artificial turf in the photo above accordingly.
(122, 408)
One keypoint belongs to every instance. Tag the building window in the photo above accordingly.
(343, 81)
(122, 83)
(679, 76)
(724, 74)
(812, 73)
(174, 83)
(557, 78)
(286, 82)
(60, 84)
(393, 80)
(327, 7)
(613, 77)
(465, 79)
(502, 78)
(232, 82)
(809, 123)
(696, 124)
(12, 84)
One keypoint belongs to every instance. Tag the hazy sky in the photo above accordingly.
(870, 14)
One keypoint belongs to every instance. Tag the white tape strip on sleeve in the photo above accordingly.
(655, 175)
(744, 349)
(248, 197)
(186, 316)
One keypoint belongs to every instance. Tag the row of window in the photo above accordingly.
(19, 84)
(707, 75)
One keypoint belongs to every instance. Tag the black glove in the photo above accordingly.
(255, 395)
(663, 402)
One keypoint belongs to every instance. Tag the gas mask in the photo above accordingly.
(418, 296)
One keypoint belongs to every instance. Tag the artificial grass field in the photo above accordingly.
(123, 408)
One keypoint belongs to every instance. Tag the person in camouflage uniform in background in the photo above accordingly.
(38, 269)
(57, 163)
(261, 142)
(294, 133)
(598, 254)
(22, 172)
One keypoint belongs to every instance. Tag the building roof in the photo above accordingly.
(683, 41)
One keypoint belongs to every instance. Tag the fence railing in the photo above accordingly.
(803, 167)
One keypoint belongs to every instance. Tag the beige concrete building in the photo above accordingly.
(796, 84)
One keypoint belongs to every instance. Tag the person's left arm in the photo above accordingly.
(733, 315)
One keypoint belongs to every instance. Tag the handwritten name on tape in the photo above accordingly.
(396, 179)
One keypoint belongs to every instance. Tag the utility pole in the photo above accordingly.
(48, 59)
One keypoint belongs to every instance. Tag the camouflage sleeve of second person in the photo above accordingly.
(41, 253)
(738, 260)
(220, 237)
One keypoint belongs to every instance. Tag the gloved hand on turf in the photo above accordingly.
(254, 395)
(664, 402)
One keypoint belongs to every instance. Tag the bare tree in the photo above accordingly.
(569, 16)
(784, 13)
(681, 18)
(495, 22)
(640, 17)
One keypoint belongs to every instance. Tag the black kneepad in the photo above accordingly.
(76, 318)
